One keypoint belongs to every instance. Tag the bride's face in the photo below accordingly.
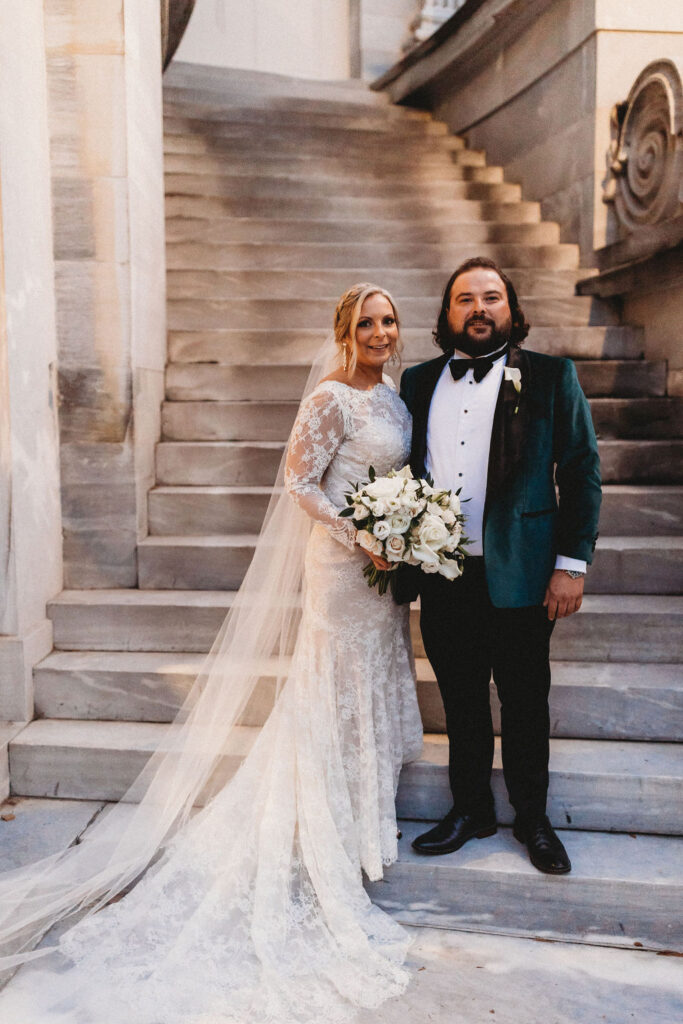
(376, 332)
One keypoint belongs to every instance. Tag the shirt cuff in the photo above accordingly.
(563, 562)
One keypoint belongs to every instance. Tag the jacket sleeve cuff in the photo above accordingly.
(564, 562)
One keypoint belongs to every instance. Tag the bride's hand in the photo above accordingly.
(379, 562)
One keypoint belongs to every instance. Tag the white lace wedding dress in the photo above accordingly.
(256, 911)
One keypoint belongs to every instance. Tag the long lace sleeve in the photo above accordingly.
(317, 434)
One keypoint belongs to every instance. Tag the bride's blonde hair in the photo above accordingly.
(347, 315)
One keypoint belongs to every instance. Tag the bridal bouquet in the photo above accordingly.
(407, 520)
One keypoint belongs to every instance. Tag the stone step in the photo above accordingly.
(624, 890)
(651, 462)
(354, 117)
(427, 169)
(221, 84)
(594, 784)
(338, 133)
(208, 312)
(284, 126)
(226, 104)
(641, 511)
(587, 700)
(626, 511)
(339, 220)
(214, 183)
(287, 284)
(601, 785)
(272, 421)
(325, 143)
(622, 565)
(637, 417)
(229, 463)
(195, 244)
(272, 346)
(623, 628)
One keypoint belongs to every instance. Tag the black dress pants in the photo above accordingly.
(466, 639)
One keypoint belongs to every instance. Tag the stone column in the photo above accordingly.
(104, 81)
(30, 522)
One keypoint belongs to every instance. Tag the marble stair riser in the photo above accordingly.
(292, 284)
(339, 174)
(214, 182)
(272, 421)
(343, 219)
(196, 244)
(622, 891)
(200, 375)
(652, 565)
(589, 701)
(337, 117)
(625, 511)
(365, 134)
(408, 150)
(281, 346)
(615, 628)
(231, 463)
(100, 761)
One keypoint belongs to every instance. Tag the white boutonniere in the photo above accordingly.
(515, 375)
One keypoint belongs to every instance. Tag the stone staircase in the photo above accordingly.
(280, 194)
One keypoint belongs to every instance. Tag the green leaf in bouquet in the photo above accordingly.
(372, 474)
(346, 512)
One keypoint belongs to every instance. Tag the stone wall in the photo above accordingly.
(308, 39)
(104, 84)
(30, 521)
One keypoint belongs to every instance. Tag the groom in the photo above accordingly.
(506, 426)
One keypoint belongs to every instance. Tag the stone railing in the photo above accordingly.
(432, 15)
(644, 184)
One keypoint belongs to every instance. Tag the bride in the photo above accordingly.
(253, 908)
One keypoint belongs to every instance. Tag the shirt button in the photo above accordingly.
(462, 442)
(459, 474)
(465, 410)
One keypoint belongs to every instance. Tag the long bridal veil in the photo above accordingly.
(199, 750)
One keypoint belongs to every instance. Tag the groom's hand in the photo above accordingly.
(563, 595)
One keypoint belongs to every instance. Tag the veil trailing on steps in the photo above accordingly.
(198, 751)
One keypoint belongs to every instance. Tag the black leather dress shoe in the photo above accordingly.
(546, 851)
(453, 832)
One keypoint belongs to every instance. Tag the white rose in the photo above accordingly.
(400, 522)
(432, 532)
(395, 547)
(369, 543)
(450, 569)
(381, 529)
(360, 512)
(448, 516)
(385, 487)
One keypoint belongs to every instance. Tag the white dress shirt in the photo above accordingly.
(459, 441)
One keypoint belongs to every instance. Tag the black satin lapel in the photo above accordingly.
(509, 426)
(423, 400)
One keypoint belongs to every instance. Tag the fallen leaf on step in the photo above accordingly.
(7, 817)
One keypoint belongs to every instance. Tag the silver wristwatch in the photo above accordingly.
(574, 574)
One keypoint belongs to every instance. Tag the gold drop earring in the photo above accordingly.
(345, 364)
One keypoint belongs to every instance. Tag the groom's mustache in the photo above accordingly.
(479, 318)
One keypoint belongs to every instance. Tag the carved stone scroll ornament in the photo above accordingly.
(175, 15)
(645, 160)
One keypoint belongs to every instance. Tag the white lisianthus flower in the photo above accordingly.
(400, 522)
(455, 504)
(360, 512)
(449, 568)
(411, 487)
(392, 505)
(433, 509)
(369, 543)
(427, 490)
(395, 547)
(381, 529)
(378, 508)
(448, 516)
(406, 473)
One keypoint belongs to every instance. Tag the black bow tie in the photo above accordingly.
(480, 366)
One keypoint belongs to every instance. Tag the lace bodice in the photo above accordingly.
(339, 433)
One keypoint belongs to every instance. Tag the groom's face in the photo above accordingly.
(479, 311)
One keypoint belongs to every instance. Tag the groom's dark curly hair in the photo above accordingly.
(442, 333)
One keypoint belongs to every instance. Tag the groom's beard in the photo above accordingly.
(474, 347)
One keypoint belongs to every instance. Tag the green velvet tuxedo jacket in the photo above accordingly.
(549, 440)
